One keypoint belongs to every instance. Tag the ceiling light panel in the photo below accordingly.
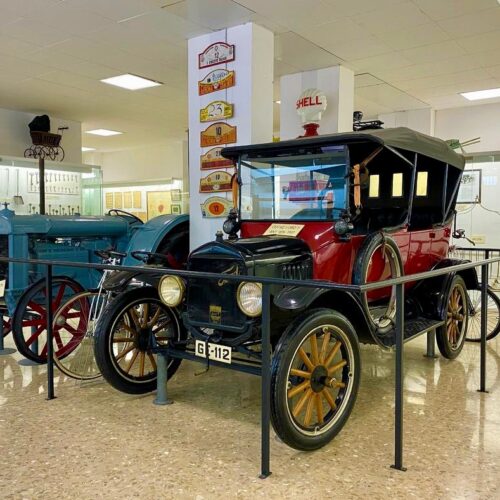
(85, 149)
(131, 82)
(103, 132)
(481, 94)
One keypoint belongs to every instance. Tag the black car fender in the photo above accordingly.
(300, 298)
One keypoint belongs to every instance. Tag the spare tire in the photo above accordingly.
(378, 259)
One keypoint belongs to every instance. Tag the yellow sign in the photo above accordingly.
(284, 229)
(215, 206)
(215, 313)
(213, 159)
(216, 182)
(217, 110)
(218, 79)
(218, 133)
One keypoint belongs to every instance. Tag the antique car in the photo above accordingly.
(70, 238)
(348, 208)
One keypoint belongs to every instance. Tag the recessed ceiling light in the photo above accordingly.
(103, 132)
(131, 82)
(481, 94)
(277, 102)
(85, 149)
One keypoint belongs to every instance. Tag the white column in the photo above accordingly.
(336, 82)
(252, 100)
(421, 120)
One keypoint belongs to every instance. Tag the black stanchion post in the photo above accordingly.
(50, 350)
(484, 322)
(398, 411)
(266, 383)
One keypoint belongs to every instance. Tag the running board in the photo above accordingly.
(412, 329)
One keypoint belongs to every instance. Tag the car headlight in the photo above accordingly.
(249, 298)
(171, 290)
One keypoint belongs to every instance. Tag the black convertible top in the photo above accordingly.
(399, 138)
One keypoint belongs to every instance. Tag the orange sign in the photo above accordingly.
(213, 159)
(216, 182)
(217, 79)
(215, 206)
(218, 133)
(217, 53)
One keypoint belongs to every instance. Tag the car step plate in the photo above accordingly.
(216, 352)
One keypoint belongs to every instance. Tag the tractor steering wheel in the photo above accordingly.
(122, 213)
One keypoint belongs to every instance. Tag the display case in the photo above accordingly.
(69, 188)
(146, 199)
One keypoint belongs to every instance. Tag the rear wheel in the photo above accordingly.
(123, 337)
(493, 316)
(315, 379)
(451, 336)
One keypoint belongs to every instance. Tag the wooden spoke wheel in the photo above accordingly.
(78, 335)
(315, 379)
(493, 315)
(29, 324)
(451, 336)
(124, 337)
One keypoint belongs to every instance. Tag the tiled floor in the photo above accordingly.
(93, 442)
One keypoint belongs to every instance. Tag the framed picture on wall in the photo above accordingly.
(176, 209)
(470, 187)
(176, 194)
(159, 203)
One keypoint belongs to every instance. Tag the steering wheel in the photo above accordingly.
(121, 213)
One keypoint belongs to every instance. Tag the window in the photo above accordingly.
(422, 178)
(397, 185)
(373, 190)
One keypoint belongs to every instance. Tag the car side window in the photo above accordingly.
(422, 178)
(374, 188)
(397, 185)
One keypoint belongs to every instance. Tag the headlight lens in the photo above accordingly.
(171, 290)
(250, 298)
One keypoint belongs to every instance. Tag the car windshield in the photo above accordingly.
(295, 187)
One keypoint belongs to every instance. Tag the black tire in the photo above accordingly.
(31, 313)
(493, 320)
(119, 314)
(451, 336)
(383, 319)
(286, 386)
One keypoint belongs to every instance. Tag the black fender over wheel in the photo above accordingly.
(122, 345)
(315, 377)
(451, 336)
(378, 250)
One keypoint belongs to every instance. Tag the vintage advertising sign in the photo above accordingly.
(218, 133)
(216, 110)
(218, 79)
(213, 159)
(284, 229)
(215, 206)
(216, 182)
(217, 53)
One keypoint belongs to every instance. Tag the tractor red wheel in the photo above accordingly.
(29, 323)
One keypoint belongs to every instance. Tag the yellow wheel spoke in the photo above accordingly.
(324, 346)
(329, 398)
(336, 367)
(145, 315)
(132, 361)
(130, 330)
(135, 318)
(305, 358)
(331, 355)
(155, 317)
(124, 353)
(300, 373)
(298, 389)
(153, 361)
(313, 340)
(127, 339)
(319, 408)
(309, 410)
(302, 401)
(142, 358)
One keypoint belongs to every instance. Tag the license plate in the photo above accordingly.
(216, 352)
(2, 288)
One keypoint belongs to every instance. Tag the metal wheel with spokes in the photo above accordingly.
(451, 336)
(315, 379)
(493, 315)
(123, 340)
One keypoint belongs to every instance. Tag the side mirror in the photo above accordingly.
(458, 234)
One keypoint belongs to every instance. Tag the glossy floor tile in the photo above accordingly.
(94, 442)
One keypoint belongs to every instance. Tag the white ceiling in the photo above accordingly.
(407, 54)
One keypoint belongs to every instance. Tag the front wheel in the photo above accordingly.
(122, 344)
(451, 336)
(314, 379)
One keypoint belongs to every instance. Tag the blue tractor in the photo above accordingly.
(72, 238)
